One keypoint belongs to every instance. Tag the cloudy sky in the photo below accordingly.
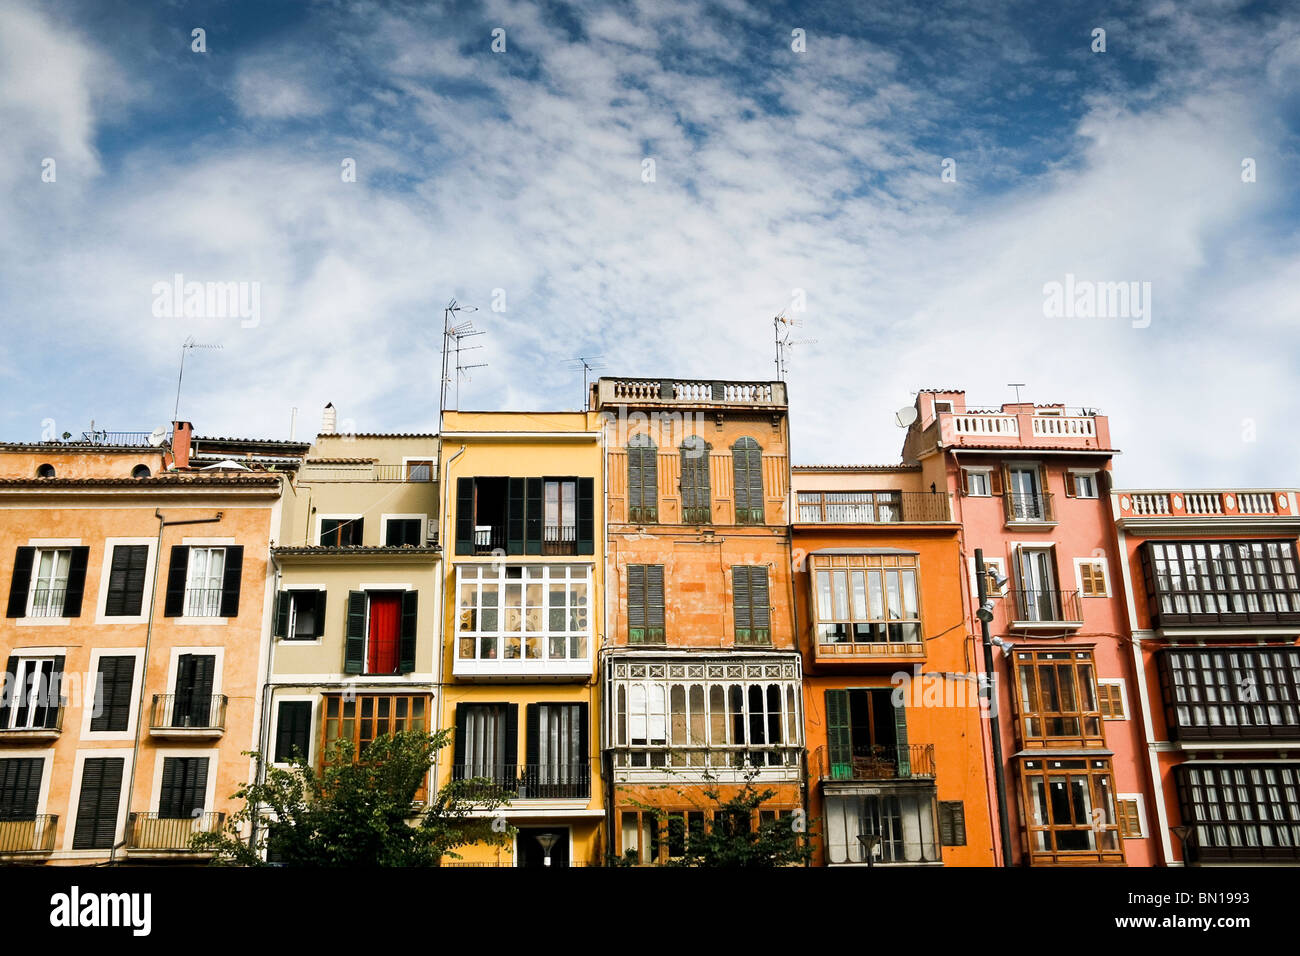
(798, 164)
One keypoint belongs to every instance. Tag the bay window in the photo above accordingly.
(866, 599)
(523, 613)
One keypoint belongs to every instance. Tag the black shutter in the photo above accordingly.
(169, 795)
(282, 602)
(230, 580)
(76, 587)
(458, 745)
(515, 516)
(176, 570)
(7, 693)
(586, 516)
(54, 695)
(464, 515)
(184, 787)
(194, 679)
(22, 582)
(101, 790)
(126, 580)
(113, 701)
(406, 652)
(532, 742)
(582, 758)
(952, 823)
(293, 730)
(320, 614)
(533, 518)
(512, 744)
(355, 643)
(20, 787)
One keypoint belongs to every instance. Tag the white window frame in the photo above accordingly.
(106, 571)
(385, 518)
(299, 641)
(1123, 695)
(44, 544)
(1105, 574)
(74, 797)
(985, 473)
(1142, 814)
(311, 726)
(92, 692)
(1092, 474)
(186, 616)
(24, 656)
(342, 517)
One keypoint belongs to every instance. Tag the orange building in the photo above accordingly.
(891, 701)
(701, 679)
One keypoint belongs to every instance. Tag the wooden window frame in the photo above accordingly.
(391, 722)
(1075, 658)
(866, 564)
(1033, 768)
(1108, 689)
(1101, 566)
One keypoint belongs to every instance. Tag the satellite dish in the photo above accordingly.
(905, 416)
(157, 436)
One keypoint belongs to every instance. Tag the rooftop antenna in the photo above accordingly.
(588, 363)
(188, 344)
(1017, 386)
(448, 311)
(782, 328)
(463, 331)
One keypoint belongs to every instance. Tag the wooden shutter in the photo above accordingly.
(292, 730)
(510, 770)
(643, 481)
(20, 787)
(194, 679)
(584, 743)
(839, 739)
(635, 482)
(747, 462)
(113, 701)
(126, 580)
(586, 523)
(654, 602)
(1130, 820)
(636, 623)
(230, 580)
(282, 602)
(184, 787)
(533, 516)
(999, 480)
(319, 630)
(900, 738)
(464, 515)
(406, 654)
(952, 823)
(76, 582)
(174, 605)
(741, 604)
(532, 748)
(7, 692)
(1111, 701)
(1071, 491)
(1092, 579)
(965, 482)
(21, 582)
(458, 744)
(696, 504)
(355, 642)
(760, 608)
(101, 790)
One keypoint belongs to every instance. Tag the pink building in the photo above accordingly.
(1030, 486)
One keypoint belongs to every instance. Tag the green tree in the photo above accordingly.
(356, 812)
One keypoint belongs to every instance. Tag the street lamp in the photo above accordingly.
(547, 840)
(869, 841)
(1185, 836)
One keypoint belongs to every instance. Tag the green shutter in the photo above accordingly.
(320, 614)
(464, 515)
(636, 633)
(515, 516)
(900, 736)
(839, 739)
(586, 524)
(642, 481)
(282, 602)
(760, 609)
(533, 516)
(740, 604)
(355, 644)
(406, 655)
(654, 603)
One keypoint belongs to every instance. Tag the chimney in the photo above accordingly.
(328, 420)
(182, 433)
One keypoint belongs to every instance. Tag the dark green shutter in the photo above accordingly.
(101, 791)
(406, 652)
(696, 504)
(320, 614)
(113, 699)
(282, 602)
(8, 689)
(635, 483)
(643, 481)
(230, 580)
(741, 603)
(586, 516)
(21, 582)
(458, 745)
(184, 787)
(168, 796)
(464, 515)
(514, 516)
(76, 582)
(533, 517)
(952, 823)
(584, 743)
(532, 741)
(636, 632)
(176, 570)
(900, 736)
(355, 644)
(510, 771)
(654, 602)
(760, 608)
(747, 460)
(839, 739)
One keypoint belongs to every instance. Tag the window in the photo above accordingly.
(753, 613)
(341, 532)
(45, 471)
(866, 599)
(1221, 582)
(556, 763)
(994, 569)
(941, 408)
(192, 704)
(1025, 497)
(530, 612)
(419, 469)
(645, 603)
(403, 531)
(363, 717)
(1058, 698)
(560, 517)
(48, 582)
(1082, 484)
(126, 580)
(977, 482)
(487, 743)
(381, 632)
(525, 515)
(866, 738)
(1110, 695)
(140, 471)
(952, 823)
(696, 502)
(113, 695)
(642, 480)
(300, 615)
(97, 806)
(1092, 577)
(20, 788)
(1070, 806)
(1131, 817)
(31, 698)
(184, 788)
(1037, 596)
(204, 581)
(747, 464)
(1240, 813)
(1231, 693)
(903, 823)
(293, 731)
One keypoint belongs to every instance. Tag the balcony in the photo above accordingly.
(1231, 693)
(47, 602)
(1233, 583)
(1036, 509)
(1045, 608)
(149, 834)
(360, 469)
(203, 602)
(1022, 425)
(544, 781)
(1240, 813)
(646, 391)
(34, 723)
(1261, 503)
(872, 507)
(835, 645)
(560, 539)
(32, 836)
(183, 716)
(908, 762)
(489, 538)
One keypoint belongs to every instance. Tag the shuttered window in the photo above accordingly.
(113, 687)
(126, 578)
(751, 605)
(20, 787)
(293, 730)
(192, 706)
(487, 743)
(97, 806)
(645, 603)
(1092, 579)
(747, 462)
(32, 696)
(952, 823)
(642, 480)
(1130, 818)
(184, 787)
(696, 502)
(1110, 697)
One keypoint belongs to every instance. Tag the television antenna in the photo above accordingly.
(464, 331)
(448, 325)
(1017, 386)
(186, 346)
(588, 364)
(782, 328)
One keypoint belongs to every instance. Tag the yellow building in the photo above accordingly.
(524, 578)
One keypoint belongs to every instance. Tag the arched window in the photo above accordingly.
(696, 503)
(45, 471)
(747, 459)
(642, 480)
(140, 471)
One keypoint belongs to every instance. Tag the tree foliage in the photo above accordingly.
(355, 812)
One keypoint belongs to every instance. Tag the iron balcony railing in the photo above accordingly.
(48, 602)
(203, 602)
(489, 538)
(542, 781)
(118, 438)
(906, 762)
(406, 472)
(1029, 507)
(36, 713)
(28, 833)
(560, 539)
(487, 779)
(1046, 606)
(153, 831)
(872, 507)
(188, 712)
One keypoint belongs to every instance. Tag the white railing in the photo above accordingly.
(1152, 504)
(1196, 503)
(1256, 503)
(1002, 426)
(1059, 426)
(734, 393)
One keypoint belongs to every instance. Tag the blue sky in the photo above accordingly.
(782, 178)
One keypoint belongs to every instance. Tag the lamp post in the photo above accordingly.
(985, 615)
(1184, 834)
(869, 843)
(547, 840)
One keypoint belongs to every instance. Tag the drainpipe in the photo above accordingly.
(445, 477)
(263, 737)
